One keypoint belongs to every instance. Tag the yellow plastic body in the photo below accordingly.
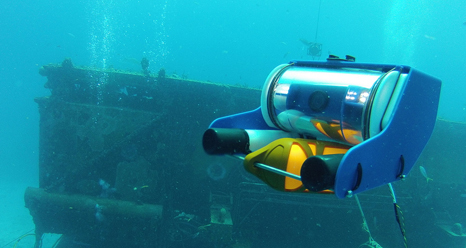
(289, 154)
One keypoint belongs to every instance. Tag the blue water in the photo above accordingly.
(226, 41)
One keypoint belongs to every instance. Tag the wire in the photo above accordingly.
(57, 241)
(371, 243)
(318, 18)
(364, 222)
(247, 215)
(19, 238)
(392, 192)
(399, 216)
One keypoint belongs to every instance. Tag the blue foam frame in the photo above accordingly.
(391, 154)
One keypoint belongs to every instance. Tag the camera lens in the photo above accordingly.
(318, 101)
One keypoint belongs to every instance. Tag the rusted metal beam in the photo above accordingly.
(92, 219)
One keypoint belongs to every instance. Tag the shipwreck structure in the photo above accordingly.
(121, 165)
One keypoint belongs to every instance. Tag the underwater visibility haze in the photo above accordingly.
(148, 77)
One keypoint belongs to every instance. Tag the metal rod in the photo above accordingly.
(272, 169)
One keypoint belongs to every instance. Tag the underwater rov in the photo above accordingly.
(332, 127)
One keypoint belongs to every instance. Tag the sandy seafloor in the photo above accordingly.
(15, 219)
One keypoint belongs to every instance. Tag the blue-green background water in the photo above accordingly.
(231, 42)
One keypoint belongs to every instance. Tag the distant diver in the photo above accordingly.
(314, 49)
